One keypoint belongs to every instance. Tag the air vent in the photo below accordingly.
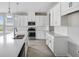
(40, 13)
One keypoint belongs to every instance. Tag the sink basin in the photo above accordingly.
(19, 37)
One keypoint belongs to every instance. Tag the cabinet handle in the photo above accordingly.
(70, 4)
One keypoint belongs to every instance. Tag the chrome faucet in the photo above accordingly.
(15, 30)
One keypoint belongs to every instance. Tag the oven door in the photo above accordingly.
(31, 34)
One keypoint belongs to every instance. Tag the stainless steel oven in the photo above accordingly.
(31, 23)
(31, 30)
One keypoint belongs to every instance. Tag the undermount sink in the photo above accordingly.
(19, 37)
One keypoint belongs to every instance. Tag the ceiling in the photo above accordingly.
(26, 6)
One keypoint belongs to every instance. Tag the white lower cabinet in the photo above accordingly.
(51, 44)
(60, 46)
(50, 41)
(57, 44)
(47, 40)
(55, 15)
(40, 34)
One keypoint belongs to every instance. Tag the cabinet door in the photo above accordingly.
(75, 4)
(52, 17)
(64, 6)
(47, 39)
(20, 20)
(57, 15)
(51, 42)
(69, 7)
(40, 35)
(60, 46)
(39, 20)
(45, 20)
(42, 21)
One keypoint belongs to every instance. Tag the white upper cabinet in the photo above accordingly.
(31, 16)
(20, 20)
(39, 21)
(42, 23)
(46, 20)
(55, 12)
(52, 17)
(75, 4)
(57, 15)
(69, 7)
(64, 6)
(60, 10)
(42, 20)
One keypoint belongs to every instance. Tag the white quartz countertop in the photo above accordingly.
(10, 47)
(56, 34)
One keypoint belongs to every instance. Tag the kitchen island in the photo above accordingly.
(58, 43)
(10, 47)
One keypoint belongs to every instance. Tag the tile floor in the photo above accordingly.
(38, 48)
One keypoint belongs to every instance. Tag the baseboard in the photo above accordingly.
(68, 55)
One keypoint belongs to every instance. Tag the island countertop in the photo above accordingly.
(56, 34)
(10, 47)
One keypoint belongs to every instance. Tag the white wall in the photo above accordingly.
(73, 32)
(73, 29)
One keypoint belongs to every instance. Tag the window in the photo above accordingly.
(6, 25)
(1, 24)
(9, 24)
